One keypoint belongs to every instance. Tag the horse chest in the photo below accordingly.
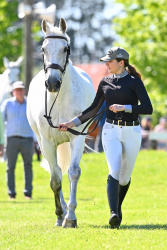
(52, 134)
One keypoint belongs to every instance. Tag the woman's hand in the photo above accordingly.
(117, 108)
(64, 126)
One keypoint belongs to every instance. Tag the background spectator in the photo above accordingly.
(161, 127)
(19, 139)
(146, 126)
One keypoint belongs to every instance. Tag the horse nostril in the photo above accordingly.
(52, 84)
(58, 84)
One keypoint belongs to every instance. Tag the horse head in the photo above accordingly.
(12, 69)
(8, 77)
(55, 53)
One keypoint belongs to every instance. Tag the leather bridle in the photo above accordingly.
(57, 66)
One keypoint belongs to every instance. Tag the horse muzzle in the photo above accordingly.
(53, 87)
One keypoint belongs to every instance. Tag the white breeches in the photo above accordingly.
(121, 146)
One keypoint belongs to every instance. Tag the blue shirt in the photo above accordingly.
(15, 118)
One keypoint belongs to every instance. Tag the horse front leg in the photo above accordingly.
(50, 154)
(74, 172)
(55, 183)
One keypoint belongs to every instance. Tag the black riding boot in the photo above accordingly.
(112, 193)
(122, 193)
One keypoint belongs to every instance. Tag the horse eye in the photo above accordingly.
(65, 49)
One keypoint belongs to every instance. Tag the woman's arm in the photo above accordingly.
(145, 106)
(86, 114)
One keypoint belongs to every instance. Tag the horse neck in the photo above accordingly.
(66, 86)
(5, 87)
(5, 77)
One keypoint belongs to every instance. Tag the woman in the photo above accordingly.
(121, 135)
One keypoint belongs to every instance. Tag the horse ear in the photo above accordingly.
(5, 62)
(63, 25)
(19, 61)
(44, 25)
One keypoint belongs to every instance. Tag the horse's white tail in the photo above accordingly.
(63, 156)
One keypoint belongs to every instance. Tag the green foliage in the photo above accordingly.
(35, 29)
(143, 32)
(10, 32)
(30, 224)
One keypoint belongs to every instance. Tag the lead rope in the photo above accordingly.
(48, 117)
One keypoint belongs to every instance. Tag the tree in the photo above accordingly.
(10, 32)
(143, 32)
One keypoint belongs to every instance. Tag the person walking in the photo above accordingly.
(19, 139)
(121, 135)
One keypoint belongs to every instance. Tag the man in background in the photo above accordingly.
(19, 139)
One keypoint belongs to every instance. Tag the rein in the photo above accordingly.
(48, 117)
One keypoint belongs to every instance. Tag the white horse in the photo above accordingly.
(75, 92)
(10, 75)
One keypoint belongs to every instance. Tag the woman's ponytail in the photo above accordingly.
(131, 69)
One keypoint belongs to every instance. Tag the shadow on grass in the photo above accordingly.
(34, 200)
(145, 227)
(80, 199)
(20, 202)
(139, 227)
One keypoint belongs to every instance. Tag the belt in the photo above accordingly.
(123, 123)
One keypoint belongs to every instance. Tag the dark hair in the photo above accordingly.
(131, 69)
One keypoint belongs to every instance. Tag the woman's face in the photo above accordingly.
(115, 67)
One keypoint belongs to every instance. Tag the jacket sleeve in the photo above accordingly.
(95, 106)
(145, 106)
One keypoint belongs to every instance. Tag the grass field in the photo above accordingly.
(30, 224)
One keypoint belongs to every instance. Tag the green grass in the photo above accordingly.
(30, 224)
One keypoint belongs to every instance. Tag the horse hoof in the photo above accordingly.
(69, 223)
(59, 222)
